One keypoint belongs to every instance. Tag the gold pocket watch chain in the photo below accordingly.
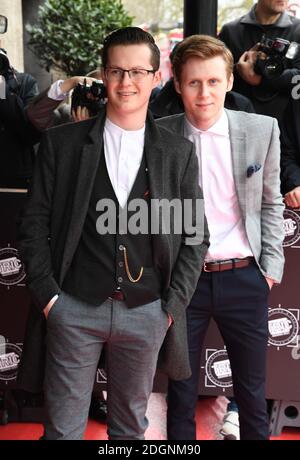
(128, 271)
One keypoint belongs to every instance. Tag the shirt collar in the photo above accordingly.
(116, 130)
(220, 128)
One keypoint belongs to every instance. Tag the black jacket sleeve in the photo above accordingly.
(290, 147)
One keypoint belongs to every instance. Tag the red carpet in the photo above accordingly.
(210, 413)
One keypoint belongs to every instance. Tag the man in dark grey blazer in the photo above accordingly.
(95, 280)
(239, 157)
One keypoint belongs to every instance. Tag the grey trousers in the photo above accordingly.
(76, 332)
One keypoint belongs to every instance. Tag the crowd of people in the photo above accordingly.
(221, 135)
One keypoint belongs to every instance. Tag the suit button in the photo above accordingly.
(121, 247)
(121, 264)
(120, 279)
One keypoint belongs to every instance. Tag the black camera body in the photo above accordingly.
(278, 56)
(5, 68)
(92, 97)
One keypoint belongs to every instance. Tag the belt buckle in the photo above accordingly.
(205, 268)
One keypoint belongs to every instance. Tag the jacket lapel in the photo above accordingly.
(156, 163)
(88, 166)
(154, 159)
(179, 124)
(238, 141)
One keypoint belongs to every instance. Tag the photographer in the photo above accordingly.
(17, 136)
(47, 110)
(268, 92)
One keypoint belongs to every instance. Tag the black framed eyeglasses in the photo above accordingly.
(117, 74)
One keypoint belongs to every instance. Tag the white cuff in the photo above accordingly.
(51, 302)
(55, 92)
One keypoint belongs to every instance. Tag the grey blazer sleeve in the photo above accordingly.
(272, 232)
(189, 263)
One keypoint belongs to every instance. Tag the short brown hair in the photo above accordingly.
(131, 36)
(201, 46)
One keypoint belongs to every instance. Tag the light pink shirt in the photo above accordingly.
(228, 237)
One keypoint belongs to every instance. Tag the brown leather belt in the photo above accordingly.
(229, 264)
(117, 295)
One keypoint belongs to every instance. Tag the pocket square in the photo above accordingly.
(253, 169)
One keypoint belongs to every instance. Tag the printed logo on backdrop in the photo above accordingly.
(12, 270)
(10, 354)
(283, 326)
(291, 228)
(217, 369)
(101, 376)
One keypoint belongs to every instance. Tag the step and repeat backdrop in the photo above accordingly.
(283, 374)
(283, 365)
(14, 296)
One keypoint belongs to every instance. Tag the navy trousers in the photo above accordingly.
(237, 300)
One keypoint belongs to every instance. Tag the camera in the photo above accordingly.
(3, 24)
(5, 68)
(275, 55)
(90, 96)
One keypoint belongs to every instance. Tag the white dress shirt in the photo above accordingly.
(228, 237)
(123, 155)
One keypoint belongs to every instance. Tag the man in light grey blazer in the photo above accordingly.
(238, 156)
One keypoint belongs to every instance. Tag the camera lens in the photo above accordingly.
(268, 43)
(96, 89)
